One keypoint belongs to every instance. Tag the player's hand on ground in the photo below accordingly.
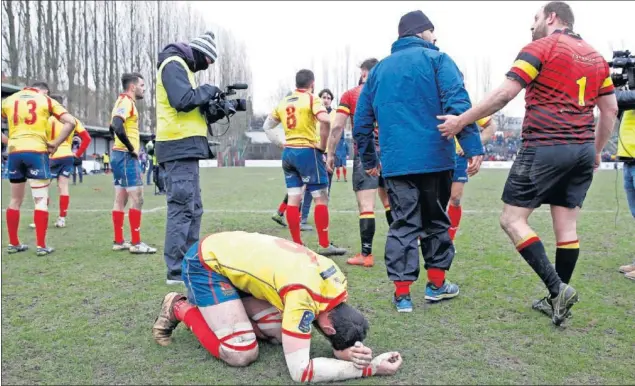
(474, 165)
(330, 163)
(389, 363)
(450, 127)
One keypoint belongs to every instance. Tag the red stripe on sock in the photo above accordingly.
(134, 218)
(41, 220)
(64, 201)
(117, 223)
(567, 243)
(293, 221)
(527, 243)
(436, 276)
(13, 223)
(321, 217)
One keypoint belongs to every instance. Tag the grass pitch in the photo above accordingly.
(83, 315)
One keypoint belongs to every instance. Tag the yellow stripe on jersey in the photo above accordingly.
(343, 109)
(530, 70)
(608, 82)
(483, 122)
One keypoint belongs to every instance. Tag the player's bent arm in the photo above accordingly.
(336, 131)
(304, 369)
(494, 101)
(325, 128)
(86, 139)
(119, 130)
(488, 131)
(607, 104)
(69, 122)
(363, 129)
(269, 127)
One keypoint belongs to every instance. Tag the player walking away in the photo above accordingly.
(327, 98)
(27, 113)
(565, 78)
(62, 162)
(125, 165)
(303, 160)
(460, 178)
(276, 291)
(365, 186)
(106, 161)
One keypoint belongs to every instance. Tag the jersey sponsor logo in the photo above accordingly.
(293, 99)
(305, 322)
(227, 289)
(121, 111)
(328, 273)
(306, 179)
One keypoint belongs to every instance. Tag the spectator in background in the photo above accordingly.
(106, 161)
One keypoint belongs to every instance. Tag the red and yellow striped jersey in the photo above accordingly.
(348, 104)
(563, 76)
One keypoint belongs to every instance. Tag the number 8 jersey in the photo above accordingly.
(27, 113)
(298, 113)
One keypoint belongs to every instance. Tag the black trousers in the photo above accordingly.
(418, 203)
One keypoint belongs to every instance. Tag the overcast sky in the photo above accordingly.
(300, 34)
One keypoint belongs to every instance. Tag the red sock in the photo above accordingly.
(321, 217)
(282, 208)
(293, 221)
(436, 276)
(402, 288)
(64, 201)
(337, 172)
(191, 316)
(41, 220)
(454, 212)
(13, 223)
(344, 171)
(134, 216)
(117, 223)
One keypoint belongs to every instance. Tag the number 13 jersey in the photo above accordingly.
(298, 113)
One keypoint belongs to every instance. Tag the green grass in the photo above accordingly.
(84, 314)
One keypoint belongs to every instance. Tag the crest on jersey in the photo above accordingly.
(305, 322)
(120, 111)
(328, 273)
(227, 288)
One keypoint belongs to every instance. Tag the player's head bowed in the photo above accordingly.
(343, 326)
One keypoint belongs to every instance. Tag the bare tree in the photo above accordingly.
(25, 11)
(70, 28)
(10, 38)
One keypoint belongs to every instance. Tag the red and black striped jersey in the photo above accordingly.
(347, 106)
(563, 76)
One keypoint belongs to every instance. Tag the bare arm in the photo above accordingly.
(5, 139)
(325, 128)
(607, 105)
(69, 124)
(488, 131)
(493, 102)
(336, 131)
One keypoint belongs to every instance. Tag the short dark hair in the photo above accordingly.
(368, 64)
(58, 98)
(41, 86)
(129, 78)
(304, 78)
(562, 10)
(326, 91)
(350, 327)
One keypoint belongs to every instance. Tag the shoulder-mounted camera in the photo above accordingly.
(221, 107)
(625, 62)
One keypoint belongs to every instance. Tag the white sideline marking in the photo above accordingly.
(272, 211)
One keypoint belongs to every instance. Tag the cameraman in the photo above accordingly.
(181, 141)
(626, 154)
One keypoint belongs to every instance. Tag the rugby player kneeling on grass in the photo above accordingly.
(243, 286)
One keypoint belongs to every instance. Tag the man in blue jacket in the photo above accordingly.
(405, 93)
(341, 154)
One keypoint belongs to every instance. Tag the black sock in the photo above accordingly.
(534, 253)
(389, 216)
(566, 258)
(367, 231)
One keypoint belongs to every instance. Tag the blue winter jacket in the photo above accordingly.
(341, 151)
(405, 93)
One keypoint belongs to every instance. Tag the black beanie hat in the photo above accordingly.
(414, 23)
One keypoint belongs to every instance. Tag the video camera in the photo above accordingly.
(626, 62)
(220, 107)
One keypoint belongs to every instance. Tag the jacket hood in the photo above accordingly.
(181, 50)
(410, 42)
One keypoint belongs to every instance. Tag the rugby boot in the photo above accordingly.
(166, 322)
(121, 246)
(43, 251)
(142, 248)
(561, 304)
(17, 248)
(279, 219)
(331, 250)
(364, 261)
(446, 291)
(544, 305)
